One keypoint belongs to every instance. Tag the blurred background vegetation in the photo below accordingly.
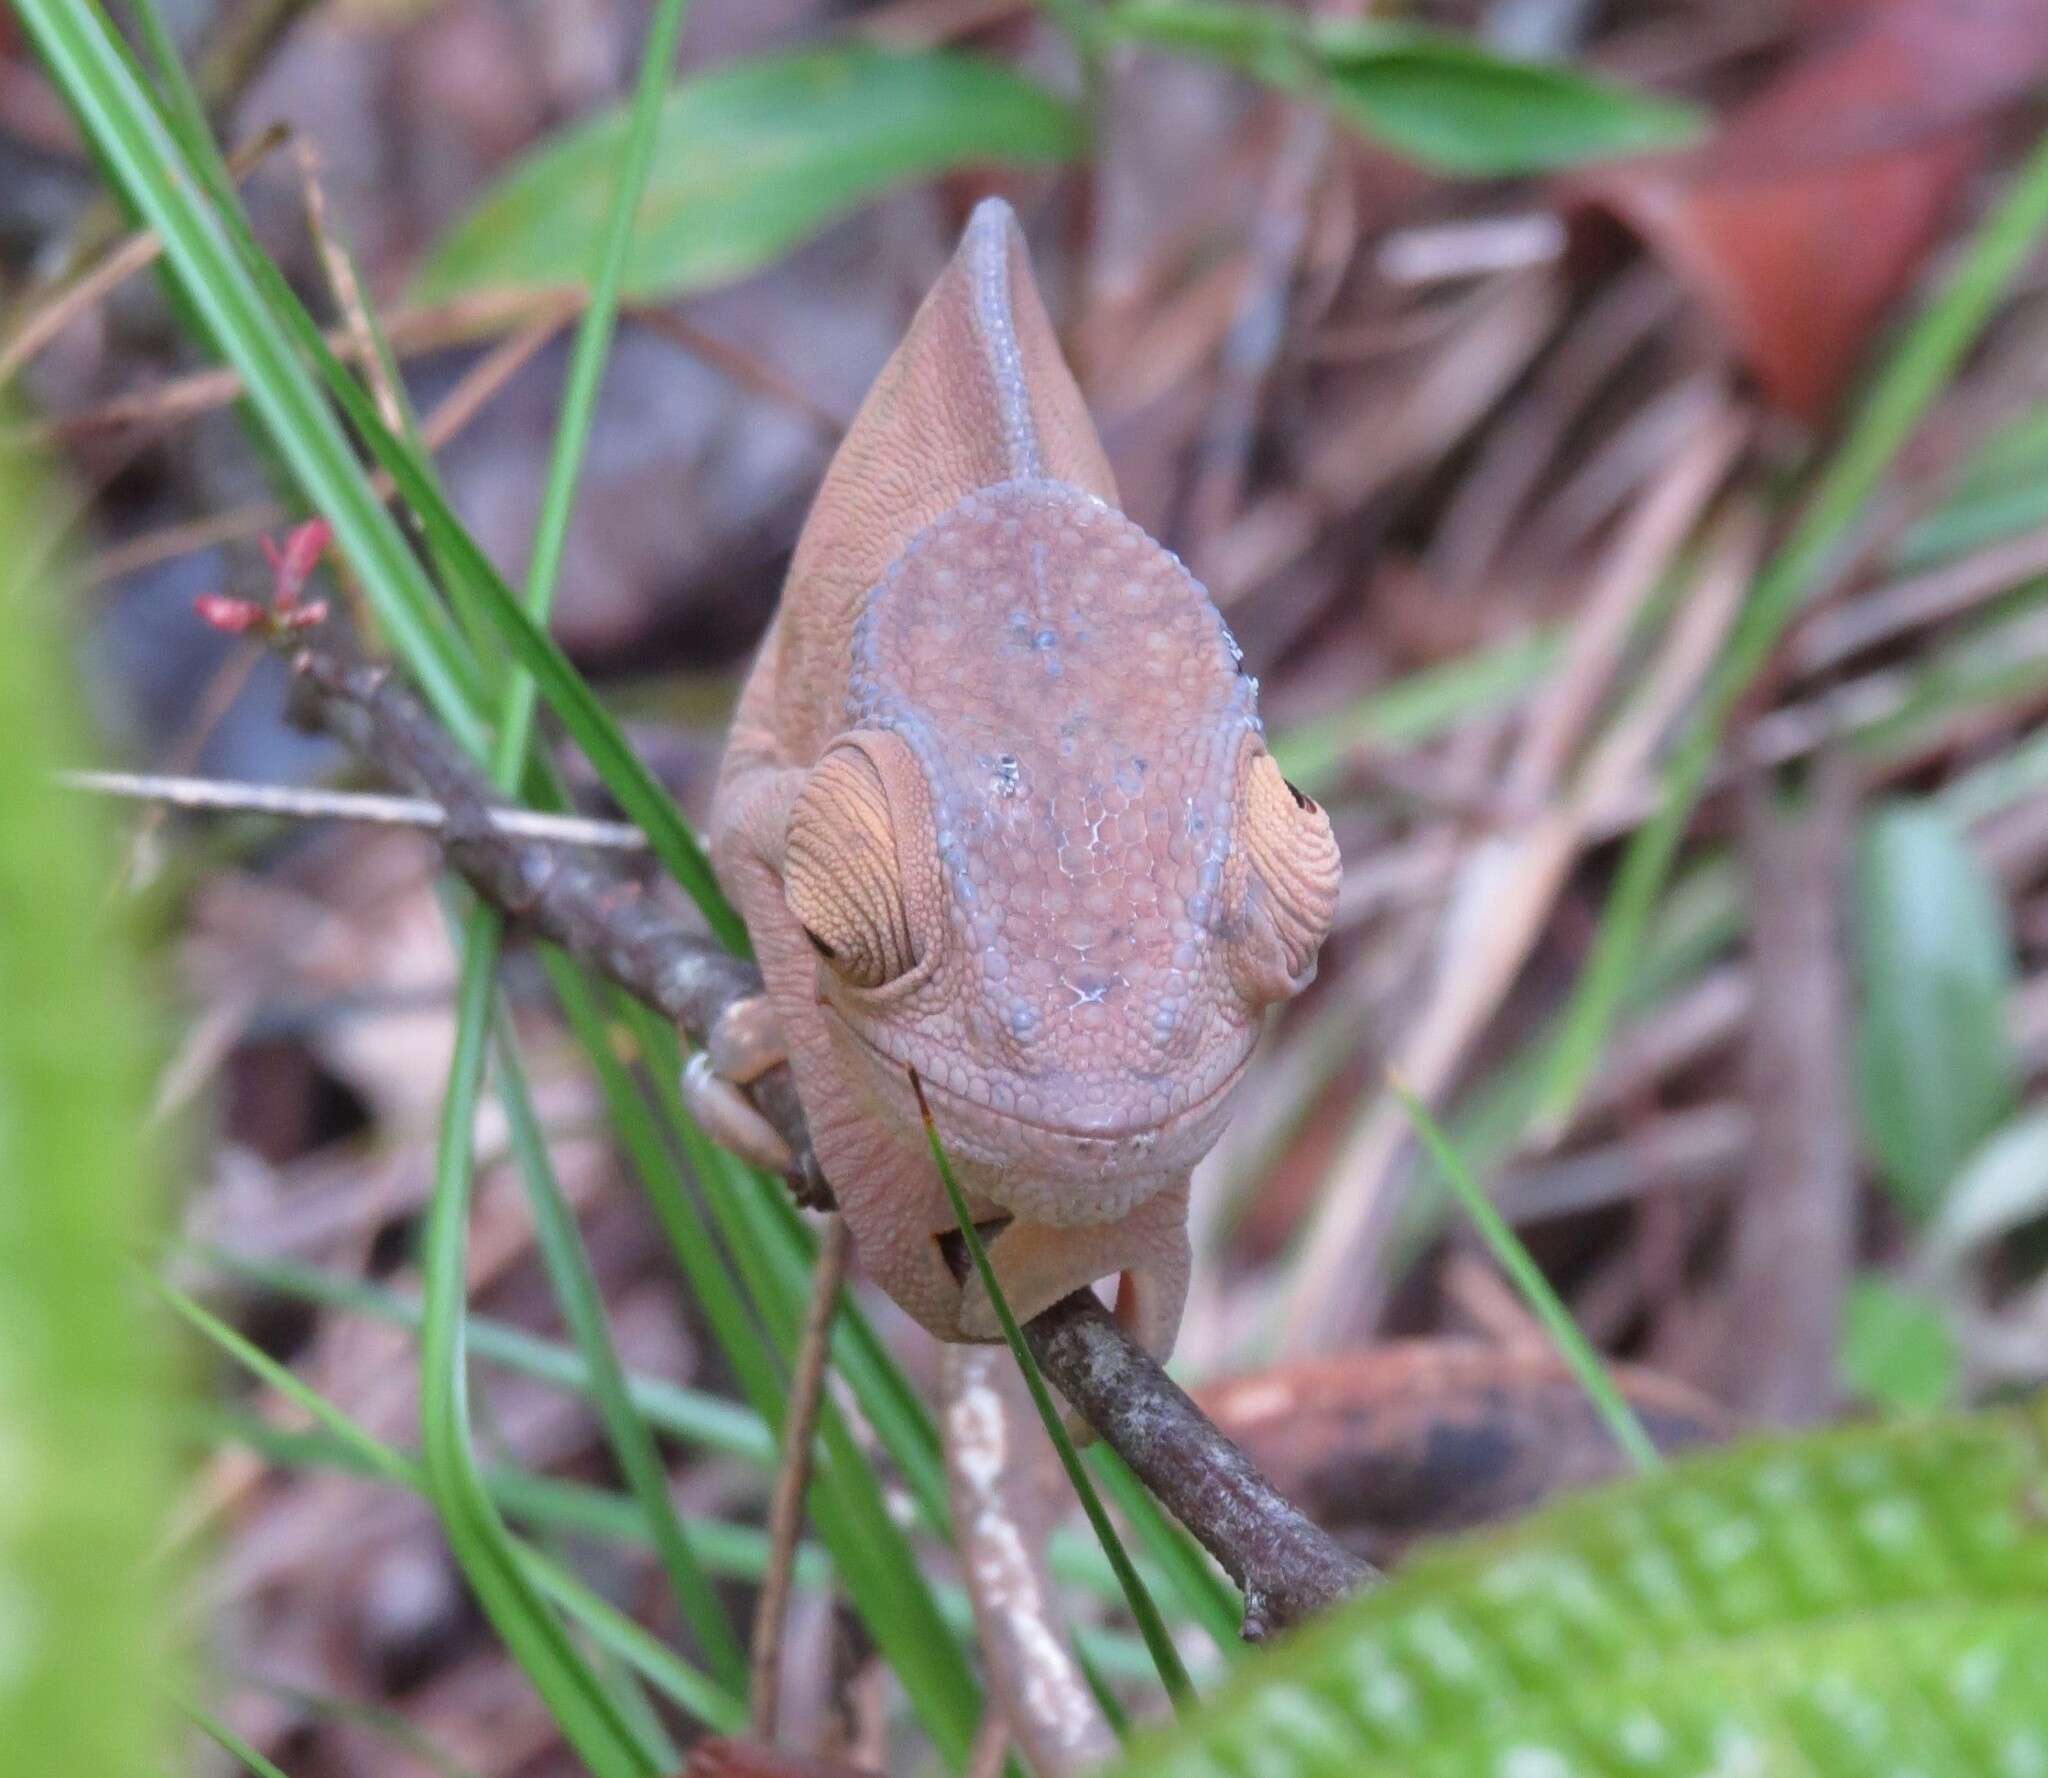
(1617, 433)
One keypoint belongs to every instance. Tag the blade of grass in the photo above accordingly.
(259, 325)
(875, 1561)
(886, 1580)
(93, 70)
(586, 364)
(704, 1700)
(690, 1415)
(786, 1247)
(1205, 1592)
(231, 1743)
(738, 1552)
(581, 1509)
(1918, 369)
(576, 1290)
(1513, 1258)
(1165, 1657)
(585, 1712)
(590, 1717)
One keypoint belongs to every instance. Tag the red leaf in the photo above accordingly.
(1807, 216)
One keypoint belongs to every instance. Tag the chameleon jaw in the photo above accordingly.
(1062, 1177)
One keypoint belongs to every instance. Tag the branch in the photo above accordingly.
(1287, 1567)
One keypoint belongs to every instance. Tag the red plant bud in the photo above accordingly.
(233, 617)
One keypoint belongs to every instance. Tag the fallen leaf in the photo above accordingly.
(1808, 214)
(1420, 1437)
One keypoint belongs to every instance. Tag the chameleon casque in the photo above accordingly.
(998, 807)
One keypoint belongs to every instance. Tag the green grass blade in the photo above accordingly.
(1513, 1258)
(588, 1718)
(1919, 368)
(1204, 1591)
(1165, 1656)
(232, 1744)
(356, 1448)
(83, 1444)
(261, 327)
(768, 1225)
(879, 1566)
(547, 1503)
(93, 70)
(632, 1443)
(586, 368)
(371, 1455)
(737, 1552)
(689, 1415)
(870, 1551)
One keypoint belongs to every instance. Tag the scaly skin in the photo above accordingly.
(997, 807)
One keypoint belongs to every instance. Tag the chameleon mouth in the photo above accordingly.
(1123, 1135)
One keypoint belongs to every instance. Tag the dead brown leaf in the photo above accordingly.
(1418, 1437)
(1808, 214)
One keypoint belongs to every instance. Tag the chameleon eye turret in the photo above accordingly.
(840, 873)
(1288, 885)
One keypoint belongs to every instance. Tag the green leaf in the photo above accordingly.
(1897, 1350)
(1849, 1604)
(1262, 40)
(85, 1472)
(1935, 1069)
(1454, 106)
(750, 160)
(1440, 100)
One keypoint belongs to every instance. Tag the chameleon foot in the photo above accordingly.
(745, 1043)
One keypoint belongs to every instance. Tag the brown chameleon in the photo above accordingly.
(998, 808)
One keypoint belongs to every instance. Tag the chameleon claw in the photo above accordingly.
(729, 1118)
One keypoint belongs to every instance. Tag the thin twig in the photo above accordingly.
(463, 321)
(793, 1479)
(230, 796)
(457, 408)
(40, 326)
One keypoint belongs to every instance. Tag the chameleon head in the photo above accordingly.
(1049, 863)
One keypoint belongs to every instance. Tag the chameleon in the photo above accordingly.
(997, 807)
